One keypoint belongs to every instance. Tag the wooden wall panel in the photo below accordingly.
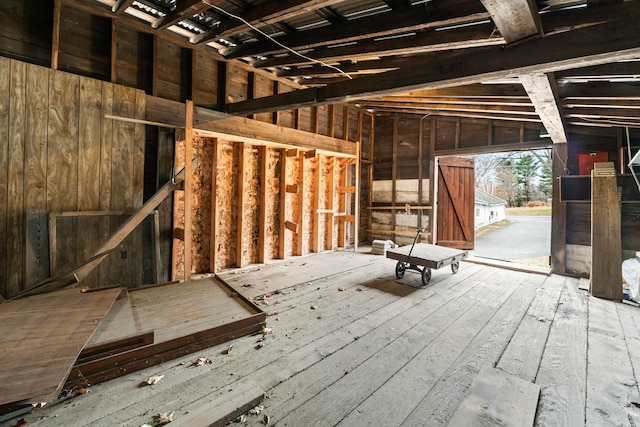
(81, 32)
(306, 119)
(30, 40)
(205, 80)
(263, 87)
(170, 72)
(15, 171)
(286, 118)
(408, 145)
(237, 83)
(134, 58)
(227, 216)
(5, 96)
(35, 191)
(273, 220)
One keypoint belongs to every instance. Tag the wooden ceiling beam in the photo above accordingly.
(598, 44)
(423, 42)
(515, 19)
(184, 10)
(462, 114)
(263, 14)
(544, 95)
(519, 20)
(381, 25)
(598, 90)
(497, 109)
(120, 6)
(599, 72)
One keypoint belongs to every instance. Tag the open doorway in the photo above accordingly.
(513, 206)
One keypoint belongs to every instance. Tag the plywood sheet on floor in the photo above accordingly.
(41, 337)
(173, 311)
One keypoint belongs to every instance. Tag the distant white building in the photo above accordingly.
(489, 209)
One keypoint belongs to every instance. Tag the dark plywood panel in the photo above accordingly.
(40, 338)
(408, 147)
(445, 134)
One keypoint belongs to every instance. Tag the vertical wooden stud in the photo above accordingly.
(262, 205)
(55, 41)
(332, 119)
(188, 189)
(114, 51)
(300, 214)
(456, 141)
(345, 122)
(213, 240)
(394, 173)
(283, 203)
(356, 201)
(154, 69)
(342, 204)
(315, 238)
(157, 257)
(241, 200)
(275, 117)
(433, 182)
(331, 206)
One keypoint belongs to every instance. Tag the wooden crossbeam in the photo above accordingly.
(544, 95)
(184, 10)
(594, 45)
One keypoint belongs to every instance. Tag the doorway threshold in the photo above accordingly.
(508, 265)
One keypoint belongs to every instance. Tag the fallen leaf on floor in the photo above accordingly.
(340, 289)
(85, 289)
(358, 290)
(540, 319)
(260, 345)
(38, 405)
(79, 391)
(164, 418)
(266, 331)
(313, 307)
(21, 422)
(241, 419)
(257, 410)
(146, 425)
(266, 419)
(154, 379)
(267, 295)
(246, 285)
(227, 350)
(320, 297)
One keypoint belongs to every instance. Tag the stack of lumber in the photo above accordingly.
(380, 247)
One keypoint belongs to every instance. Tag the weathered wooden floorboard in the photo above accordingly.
(563, 369)
(335, 402)
(524, 352)
(442, 400)
(610, 377)
(174, 390)
(373, 332)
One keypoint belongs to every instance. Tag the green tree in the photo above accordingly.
(526, 169)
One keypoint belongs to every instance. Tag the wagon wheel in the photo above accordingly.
(400, 269)
(426, 276)
(455, 266)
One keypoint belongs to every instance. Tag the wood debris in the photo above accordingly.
(21, 422)
(228, 349)
(266, 419)
(266, 331)
(201, 361)
(540, 319)
(153, 380)
(163, 418)
(257, 410)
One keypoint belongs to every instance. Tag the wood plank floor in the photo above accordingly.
(353, 346)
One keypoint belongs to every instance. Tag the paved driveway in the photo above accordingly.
(523, 237)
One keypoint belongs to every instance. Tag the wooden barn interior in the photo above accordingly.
(190, 190)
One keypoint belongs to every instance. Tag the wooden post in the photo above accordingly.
(558, 211)
(300, 215)
(114, 51)
(240, 198)
(262, 204)
(188, 188)
(55, 42)
(606, 240)
(213, 240)
(315, 238)
(433, 182)
(155, 241)
(331, 206)
(356, 201)
(342, 204)
(283, 203)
